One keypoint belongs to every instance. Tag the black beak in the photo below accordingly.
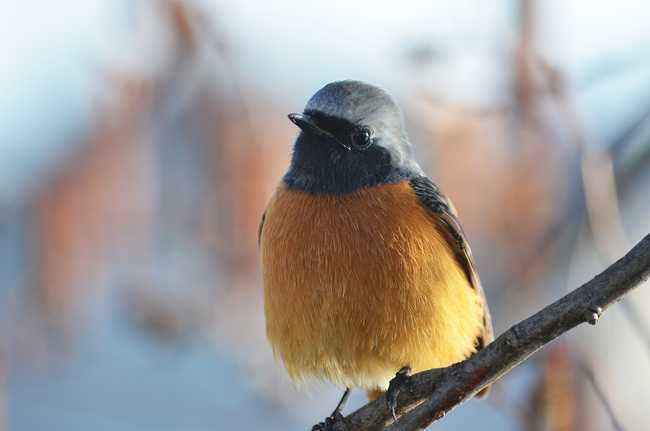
(308, 125)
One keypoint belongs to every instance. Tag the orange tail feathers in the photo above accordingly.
(374, 394)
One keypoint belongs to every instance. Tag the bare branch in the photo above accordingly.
(436, 392)
(591, 378)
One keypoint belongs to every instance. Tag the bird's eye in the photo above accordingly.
(361, 139)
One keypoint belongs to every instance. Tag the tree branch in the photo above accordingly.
(436, 392)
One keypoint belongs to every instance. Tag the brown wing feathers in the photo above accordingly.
(430, 195)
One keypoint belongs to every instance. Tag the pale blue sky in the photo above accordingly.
(51, 52)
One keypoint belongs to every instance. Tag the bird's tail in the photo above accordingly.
(374, 394)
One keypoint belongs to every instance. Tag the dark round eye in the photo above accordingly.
(361, 139)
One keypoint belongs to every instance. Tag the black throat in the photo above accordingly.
(321, 165)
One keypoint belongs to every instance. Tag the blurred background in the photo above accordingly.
(141, 139)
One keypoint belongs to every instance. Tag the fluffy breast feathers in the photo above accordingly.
(357, 286)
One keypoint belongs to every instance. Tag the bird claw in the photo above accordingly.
(334, 422)
(593, 314)
(401, 380)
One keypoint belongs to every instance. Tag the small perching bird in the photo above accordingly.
(367, 272)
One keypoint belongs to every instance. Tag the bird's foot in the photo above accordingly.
(402, 380)
(334, 422)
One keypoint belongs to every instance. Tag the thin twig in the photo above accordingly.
(637, 322)
(591, 378)
(436, 392)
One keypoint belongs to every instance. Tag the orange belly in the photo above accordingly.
(360, 285)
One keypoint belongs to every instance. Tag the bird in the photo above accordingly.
(368, 276)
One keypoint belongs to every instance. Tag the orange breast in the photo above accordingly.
(357, 286)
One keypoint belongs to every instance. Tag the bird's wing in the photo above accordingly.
(445, 215)
(259, 230)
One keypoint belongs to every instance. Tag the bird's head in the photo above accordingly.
(352, 136)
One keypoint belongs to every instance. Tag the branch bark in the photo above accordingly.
(436, 392)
